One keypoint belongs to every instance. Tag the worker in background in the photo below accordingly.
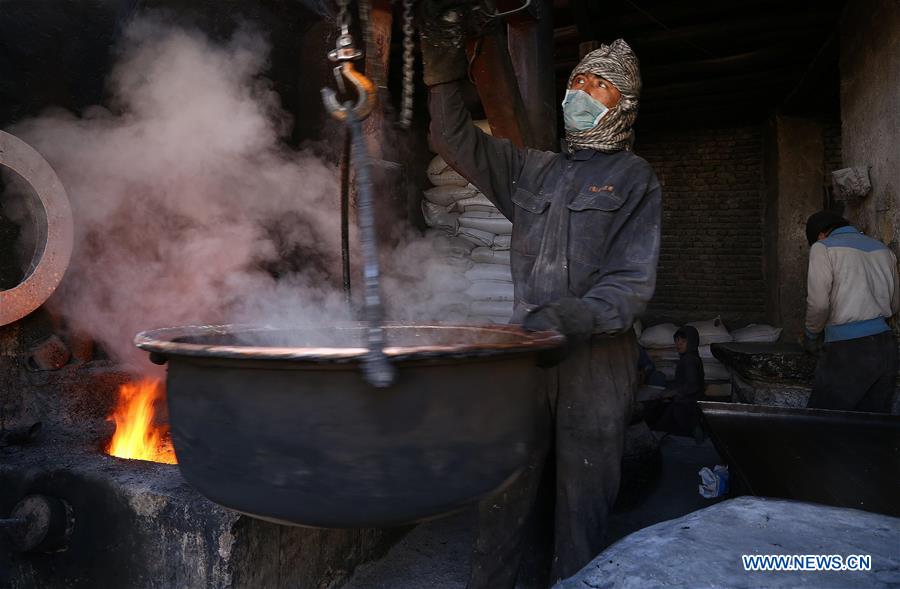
(677, 414)
(852, 289)
(585, 243)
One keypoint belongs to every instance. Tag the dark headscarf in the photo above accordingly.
(823, 222)
(692, 336)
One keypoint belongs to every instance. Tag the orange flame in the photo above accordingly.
(137, 436)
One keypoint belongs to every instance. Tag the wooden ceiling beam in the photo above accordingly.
(674, 14)
(766, 26)
(719, 83)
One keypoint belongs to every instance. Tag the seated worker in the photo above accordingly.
(678, 413)
(852, 289)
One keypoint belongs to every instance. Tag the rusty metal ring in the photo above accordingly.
(52, 256)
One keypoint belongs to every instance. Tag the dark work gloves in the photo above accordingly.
(442, 26)
(570, 317)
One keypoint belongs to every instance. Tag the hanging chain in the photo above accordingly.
(406, 101)
(343, 18)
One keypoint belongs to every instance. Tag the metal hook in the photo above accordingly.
(366, 95)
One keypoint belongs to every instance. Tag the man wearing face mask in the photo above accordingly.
(585, 245)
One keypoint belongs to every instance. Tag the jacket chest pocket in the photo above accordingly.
(528, 224)
(591, 217)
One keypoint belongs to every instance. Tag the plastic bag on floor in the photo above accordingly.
(488, 256)
(713, 483)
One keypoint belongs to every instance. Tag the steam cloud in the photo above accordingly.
(189, 205)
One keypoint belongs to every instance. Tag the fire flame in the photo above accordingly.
(137, 436)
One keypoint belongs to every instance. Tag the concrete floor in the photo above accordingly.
(435, 555)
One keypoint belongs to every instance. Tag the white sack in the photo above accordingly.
(450, 194)
(490, 290)
(480, 271)
(492, 309)
(715, 370)
(477, 236)
(667, 354)
(712, 331)
(476, 202)
(757, 333)
(449, 245)
(488, 256)
(659, 336)
(454, 313)
(441, 174)
(445, 278)
(494, 223)
(440, 217)
(482, 319)
(501, 242)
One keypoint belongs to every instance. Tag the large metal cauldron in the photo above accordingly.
(273, 424)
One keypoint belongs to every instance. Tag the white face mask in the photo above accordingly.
(581, 111)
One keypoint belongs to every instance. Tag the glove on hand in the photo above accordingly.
(570, 317)
(812, 344)
(441, 23)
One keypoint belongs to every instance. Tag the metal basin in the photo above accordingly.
(840, 458)
(280, 425)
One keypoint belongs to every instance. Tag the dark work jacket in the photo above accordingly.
(585, 225)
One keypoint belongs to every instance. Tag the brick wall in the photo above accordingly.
(712, 253)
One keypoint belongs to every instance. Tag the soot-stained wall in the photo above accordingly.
(712, 253)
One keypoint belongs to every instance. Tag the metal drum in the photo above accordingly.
(280, 425)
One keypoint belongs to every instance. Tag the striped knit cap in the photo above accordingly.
(617, 63)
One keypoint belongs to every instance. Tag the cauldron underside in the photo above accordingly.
(306, 441)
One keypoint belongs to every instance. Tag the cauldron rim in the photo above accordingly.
(164, 342)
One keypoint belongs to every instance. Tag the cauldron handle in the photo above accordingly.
(158, 358)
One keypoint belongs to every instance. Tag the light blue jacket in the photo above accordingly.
(852, 286)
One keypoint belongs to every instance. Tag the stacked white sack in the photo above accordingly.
(659, 343)
(456, 210)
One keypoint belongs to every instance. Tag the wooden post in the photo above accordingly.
(495, 80)
(531, 51)
(377, 64)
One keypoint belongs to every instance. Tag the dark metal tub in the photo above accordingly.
(270, 423)
(840, 458)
